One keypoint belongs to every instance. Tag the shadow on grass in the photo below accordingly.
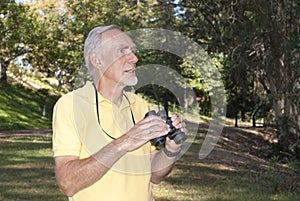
(27, 170)
(233, 171)
(23, 108)
(238, 168)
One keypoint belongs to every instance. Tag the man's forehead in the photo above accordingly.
(115, 35)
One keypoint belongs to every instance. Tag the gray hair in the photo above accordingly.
(92, 43)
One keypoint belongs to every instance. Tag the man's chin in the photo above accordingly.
(130, 81)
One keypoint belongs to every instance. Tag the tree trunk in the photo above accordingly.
(253, 121)
(294, 126)
(3, 75)
(288, 123)
(254, 114)
(236, 119)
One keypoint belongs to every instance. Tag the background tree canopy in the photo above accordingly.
(255, 45)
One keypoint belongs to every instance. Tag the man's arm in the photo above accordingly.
(162, 161)
(161, 165)
(74, 174)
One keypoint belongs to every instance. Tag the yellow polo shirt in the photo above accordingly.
(76, 132)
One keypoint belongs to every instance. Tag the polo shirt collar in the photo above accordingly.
(88, 91)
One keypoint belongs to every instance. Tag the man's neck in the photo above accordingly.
(113, 93)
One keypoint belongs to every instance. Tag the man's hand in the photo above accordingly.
(162, 164)
(149, 128)
(178, 123)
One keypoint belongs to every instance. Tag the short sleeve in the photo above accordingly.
(65, 140)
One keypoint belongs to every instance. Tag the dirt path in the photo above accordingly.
(250, 149)
(25, 132)
(240, 146)
(237, 148)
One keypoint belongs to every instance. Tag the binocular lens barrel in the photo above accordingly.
(174, 134)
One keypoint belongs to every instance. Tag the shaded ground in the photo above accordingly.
(26, 132)
(238, 149)
(238, 146)
(249, 149)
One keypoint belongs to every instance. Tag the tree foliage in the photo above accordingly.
(16, 24)
(261, 43)
(255, 45)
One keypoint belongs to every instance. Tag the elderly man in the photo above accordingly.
(101, 138)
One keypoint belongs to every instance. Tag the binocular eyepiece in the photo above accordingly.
(174, 134)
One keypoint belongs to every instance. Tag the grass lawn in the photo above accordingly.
(22, 108)
(26, 169)
(239, 169)
(26, 172)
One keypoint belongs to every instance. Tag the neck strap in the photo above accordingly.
(98, 113)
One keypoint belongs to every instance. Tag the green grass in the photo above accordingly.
(26, 169)
(22, 108)
(27, 173)
(225, 178)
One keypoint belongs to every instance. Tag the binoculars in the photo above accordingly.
(174, 134)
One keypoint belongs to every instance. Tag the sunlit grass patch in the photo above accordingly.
(27, 173)
(23, 108)
(27, 169)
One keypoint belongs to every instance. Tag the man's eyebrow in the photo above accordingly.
(125, 46)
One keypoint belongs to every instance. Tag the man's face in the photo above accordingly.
(117, 58)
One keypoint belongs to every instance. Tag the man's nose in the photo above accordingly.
(132, 58)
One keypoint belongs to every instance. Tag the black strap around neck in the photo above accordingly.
(98, 113)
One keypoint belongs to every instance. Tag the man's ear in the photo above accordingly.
(96, 62)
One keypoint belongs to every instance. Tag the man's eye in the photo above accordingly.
(125, 51)
(134, 50)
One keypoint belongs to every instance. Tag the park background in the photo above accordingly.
(254, 44)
